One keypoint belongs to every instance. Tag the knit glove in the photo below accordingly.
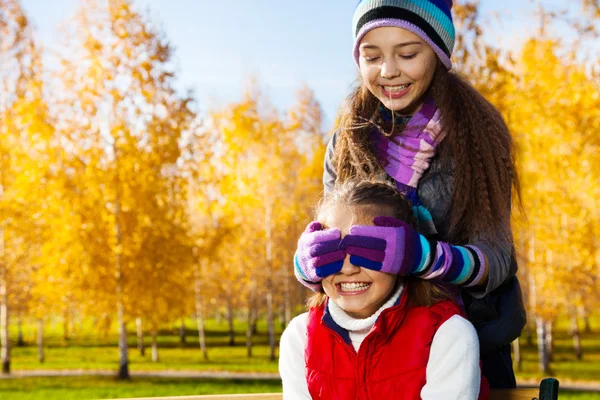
(318, 255)
(392, 246)
(407, 156)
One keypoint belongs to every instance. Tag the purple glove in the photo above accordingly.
(390, 246)
(318, 255)
(406, 157)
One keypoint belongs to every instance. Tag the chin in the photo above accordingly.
(397, 105)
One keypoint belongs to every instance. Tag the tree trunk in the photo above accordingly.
(4, 310)
(532, 291)
(287, 307)
(549, 341)
(269, 281)
(249, 333)
(20, 341)
(123, 356)
(517, 354)
(585, 316)
(544, 362)
(250, 329)
(199, 308)
(576, 336)
(66, 325)
(40, 340)
(230, 322)
(529, 334)
(140, 336)
(182, 332)
(587, 327)
(255, 321)
(154, 347)
(5, 351)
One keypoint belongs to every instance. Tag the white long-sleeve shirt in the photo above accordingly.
(452, 371)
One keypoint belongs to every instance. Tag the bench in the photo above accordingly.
(548, 390)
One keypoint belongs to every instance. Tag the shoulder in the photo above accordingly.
(457, 332)
(445, 309)
(295, 333)
(333, 139)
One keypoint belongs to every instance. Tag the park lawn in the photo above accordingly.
(564, 364)
(93, 387)
(87, 351)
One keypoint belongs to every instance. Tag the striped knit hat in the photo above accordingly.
(431, 20)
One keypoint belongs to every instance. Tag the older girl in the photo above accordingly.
(416, 123)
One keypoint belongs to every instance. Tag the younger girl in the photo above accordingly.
(370, 333)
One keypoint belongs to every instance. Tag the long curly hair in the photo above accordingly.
(478, 144)
(371, 198)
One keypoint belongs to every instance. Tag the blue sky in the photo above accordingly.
(218, 44)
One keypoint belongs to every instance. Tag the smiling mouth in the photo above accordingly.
(396, 89)
(353, 287)
(395, 92)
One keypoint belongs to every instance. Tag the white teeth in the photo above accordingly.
(354, 286)
(395, 88)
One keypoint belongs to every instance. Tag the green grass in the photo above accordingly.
(565, 364)
(89, 351)
(84, 387)
(563, 395)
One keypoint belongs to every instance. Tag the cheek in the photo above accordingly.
(386, 283)
(416, 72)
(368, 74)
(420, 70)
(328, 287)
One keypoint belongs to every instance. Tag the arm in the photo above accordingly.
(453, 370)
(292, 366)
(479, 267)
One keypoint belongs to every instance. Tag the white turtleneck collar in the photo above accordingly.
(358, 329)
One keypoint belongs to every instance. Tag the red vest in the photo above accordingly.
(391, 361)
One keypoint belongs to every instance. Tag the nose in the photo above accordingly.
(348, 268)
(389, 69)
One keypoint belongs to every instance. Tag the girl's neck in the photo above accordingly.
(350, 323)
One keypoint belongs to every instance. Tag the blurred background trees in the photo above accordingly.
(122, 203)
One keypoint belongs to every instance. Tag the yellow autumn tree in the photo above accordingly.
(25, 134)
(120, 122)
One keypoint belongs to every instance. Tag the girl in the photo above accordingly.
(416, 123)
(371, 334)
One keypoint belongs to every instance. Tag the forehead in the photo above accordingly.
(343, 217)
(389, 36)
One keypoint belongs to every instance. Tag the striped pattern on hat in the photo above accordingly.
(431, 20)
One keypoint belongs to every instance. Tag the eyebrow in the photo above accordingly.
(373, 47)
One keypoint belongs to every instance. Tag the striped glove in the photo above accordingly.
(319, 254)
(394, 247)
(384, 247)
